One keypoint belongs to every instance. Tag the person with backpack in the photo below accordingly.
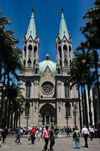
(52, 137)
(18, 135)
(77, 137)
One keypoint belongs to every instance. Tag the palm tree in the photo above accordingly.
(4, 35)
(92, 33)
(79, 70)
(16, 101)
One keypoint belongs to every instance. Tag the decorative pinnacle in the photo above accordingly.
(62, 9)
(33, 9)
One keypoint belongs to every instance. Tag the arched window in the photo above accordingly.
(24, 63)
(28, 89)
(27, 106)
(29, 62)
(61, 63)
(67, 90)
(34, 62)
(69, 51)
(59, 51)
(29, 51)
(35, 49)
(25, 51)
(65, 51)
(65, 62)
(67, 109)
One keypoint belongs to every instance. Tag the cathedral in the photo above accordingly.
(48, 98)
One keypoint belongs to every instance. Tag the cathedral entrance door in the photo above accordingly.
(47, 120)
(47, 112)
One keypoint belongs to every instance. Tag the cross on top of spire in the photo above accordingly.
(33, 9)
(62, 9)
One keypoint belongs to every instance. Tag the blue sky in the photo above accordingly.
(47, 15)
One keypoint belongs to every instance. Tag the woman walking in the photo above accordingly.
(45, 136)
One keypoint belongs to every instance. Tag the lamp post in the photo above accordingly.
(67, 115)
(67, 118)
(75, 111)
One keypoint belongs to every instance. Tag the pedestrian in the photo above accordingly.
(18, 134)
(52, 137)
(91, 131)
(77, 137)
(32, 133)
(4, 134)
(21, 131)
(45, 136)
(56, 131)
(85, 133)
(37, 134)
(68, 131)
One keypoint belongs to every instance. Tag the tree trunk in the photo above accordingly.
(85, 104)
(80, 109)
(97, 77)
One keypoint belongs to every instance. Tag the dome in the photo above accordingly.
(45, 63)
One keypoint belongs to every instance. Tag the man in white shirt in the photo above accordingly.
(85, 133)
(91, 131)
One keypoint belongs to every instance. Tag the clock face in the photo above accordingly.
(47, 87)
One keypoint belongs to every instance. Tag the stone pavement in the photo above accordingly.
(63, 143)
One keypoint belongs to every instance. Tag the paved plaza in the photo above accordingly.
(63, 143)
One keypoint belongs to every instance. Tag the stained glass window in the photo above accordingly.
(47, 87)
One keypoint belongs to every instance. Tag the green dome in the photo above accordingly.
(45, 63)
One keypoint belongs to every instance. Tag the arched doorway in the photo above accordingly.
(47, 112)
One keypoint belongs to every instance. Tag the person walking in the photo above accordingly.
(45, 136)
(4, 134)
(37, 134)
(52, 137)
(77, 137)
(56, 131)
(85, 133)
(32, 133)
(18, 134)
(91, 131)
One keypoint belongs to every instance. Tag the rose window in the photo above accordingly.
(47, 87)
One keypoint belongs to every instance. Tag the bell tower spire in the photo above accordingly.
(30, 47)
(31, 28)
(64, 46)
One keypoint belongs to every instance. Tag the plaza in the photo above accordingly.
(62, 143)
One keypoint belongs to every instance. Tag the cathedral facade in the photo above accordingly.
(48, 98)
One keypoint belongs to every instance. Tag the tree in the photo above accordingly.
(92, 34)
(79, 72)
(16, 101)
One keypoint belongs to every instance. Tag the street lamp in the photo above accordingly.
(27, 112)
(67, 118)
(75, 111)
(67, 112)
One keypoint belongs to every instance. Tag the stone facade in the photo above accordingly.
(47, 95)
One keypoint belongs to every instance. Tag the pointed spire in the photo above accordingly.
(31, 28)
(63, 28)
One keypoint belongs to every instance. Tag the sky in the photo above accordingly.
(47, 14)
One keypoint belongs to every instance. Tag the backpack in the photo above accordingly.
(74, 134)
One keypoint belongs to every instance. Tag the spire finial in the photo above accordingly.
(62, 9)
(33, 9)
